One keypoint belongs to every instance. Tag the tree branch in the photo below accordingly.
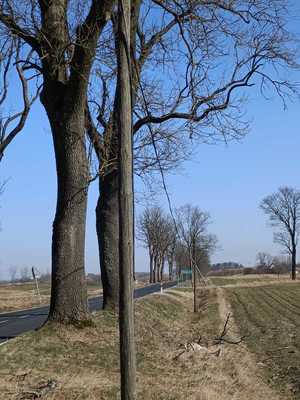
(14, 28)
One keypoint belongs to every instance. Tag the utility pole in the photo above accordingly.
(193, 268)
(125, 171)
(195, 286)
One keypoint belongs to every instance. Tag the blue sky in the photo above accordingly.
(229, 181)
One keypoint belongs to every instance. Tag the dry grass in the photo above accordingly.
(84, 363)
(21, 296)
(251, 280)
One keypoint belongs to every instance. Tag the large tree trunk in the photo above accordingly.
(151, 267)
(170, 263)
(154, 273)
(294, 262)
(107, 211)
(107, 222)
(68, 291)
(157, 268)
(65, 64)
(162, 265)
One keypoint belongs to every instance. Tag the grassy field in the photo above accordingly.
(23, 295)
(84, 364)
(249, 279)
(64, 363)
(269, 317)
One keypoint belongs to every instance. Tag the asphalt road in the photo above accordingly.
(15, 323)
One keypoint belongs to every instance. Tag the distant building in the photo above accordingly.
(226, 265)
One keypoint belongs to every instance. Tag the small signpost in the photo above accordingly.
(185, 277)
(35, 277)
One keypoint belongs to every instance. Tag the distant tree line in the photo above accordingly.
(268, 264)
(24, 274)
(178, 243)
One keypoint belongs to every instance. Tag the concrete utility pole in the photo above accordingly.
(126, 239)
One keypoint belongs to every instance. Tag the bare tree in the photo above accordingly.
(147, 227)
(148, 231)
(282, 265)
(172, 240)
(62, 38)
(13, 270)
(264, 262)
(283, 210)
(143, 233)
(157, 232)
(192, 226)
(2, 186)
(165, 247)
(11, 64)
(182, 259)
(25, 274)
(216, 50)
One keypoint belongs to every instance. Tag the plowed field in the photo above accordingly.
(269, 317)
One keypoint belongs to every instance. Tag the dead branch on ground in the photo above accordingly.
(223, 339)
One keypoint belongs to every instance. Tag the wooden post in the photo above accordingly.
(195, 286)
(193, 269)
(126, 239)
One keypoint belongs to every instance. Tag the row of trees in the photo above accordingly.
(157, 232)
(24, 274)
(268, 264)
(182, 242)
(19, 274)
(81, 57)
(67, 52)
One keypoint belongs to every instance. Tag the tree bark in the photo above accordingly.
(151, 267)
(294, 262)
(107, 212)
(170, 263)
(154, 268)
(157, 269)
(107, 224)
(68, 290)
(64, 97)
(162, 264)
